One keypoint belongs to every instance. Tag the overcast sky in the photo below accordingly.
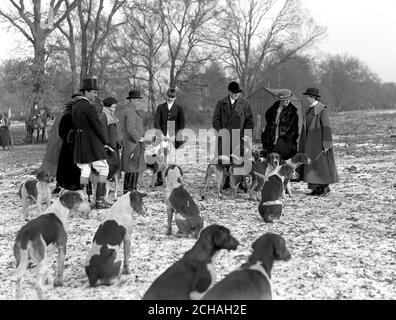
(362, 28)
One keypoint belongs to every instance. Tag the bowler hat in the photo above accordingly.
(89, 84)
(171, 93)
(284, 94)
(109, 101)
(134, 94)
(312, 92)
(234, 87)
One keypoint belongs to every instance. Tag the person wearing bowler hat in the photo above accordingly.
(169, 111)
(281, 130)
(132, 122)
(90, 141)
(232, 112)
(317, 142)
(110, 121)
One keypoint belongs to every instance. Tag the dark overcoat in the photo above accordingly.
(286, 144)
(317, 135)
(68, 174)
(54, 145)
(224, 118)
(132, 124)
(90, 137)
(163, 115)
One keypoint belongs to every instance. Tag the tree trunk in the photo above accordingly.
(39, 68)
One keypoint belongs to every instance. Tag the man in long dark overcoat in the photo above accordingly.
(232, 112)
(166, 112)
(281, 131)
(90, 141)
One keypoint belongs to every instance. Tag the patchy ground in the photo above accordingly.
(343, 246)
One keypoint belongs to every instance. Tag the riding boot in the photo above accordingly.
(127, 182)
(100, 202)
(84, 187)
(134, 181)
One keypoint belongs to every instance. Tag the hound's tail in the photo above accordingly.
(21, 256)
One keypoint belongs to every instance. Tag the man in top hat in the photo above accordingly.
(232, 112)
(169, 111)
(317, 142)
(91, 141)
(133, 124)
(281, 131)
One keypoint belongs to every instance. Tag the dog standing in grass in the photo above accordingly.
(36, 191)
(44, 233)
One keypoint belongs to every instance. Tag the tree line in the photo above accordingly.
(196, 45)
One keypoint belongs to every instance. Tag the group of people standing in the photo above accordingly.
(86, 138)
(282, 133)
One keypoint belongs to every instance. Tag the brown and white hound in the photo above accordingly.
(194, 274)
(43, 233)
(252, 281)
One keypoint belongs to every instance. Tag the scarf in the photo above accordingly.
(110, 117)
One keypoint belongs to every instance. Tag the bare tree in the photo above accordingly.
(254, 31)
(140, 49)
(69, 32)
(27, 19)
(95, 29)
(187, 26)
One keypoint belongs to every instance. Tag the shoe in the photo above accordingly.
(313, 193)
(324, 192)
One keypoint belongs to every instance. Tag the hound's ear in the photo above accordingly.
(180, 169)
(40, 175)
(220, 236)
(167, 171)
(70, 198)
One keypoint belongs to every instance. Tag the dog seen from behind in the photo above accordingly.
(194, 274)
(103, 262)
(36, 191)
(180, 203)
(43, 233)
(252, 281)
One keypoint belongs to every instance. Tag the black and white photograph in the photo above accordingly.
(232, 150)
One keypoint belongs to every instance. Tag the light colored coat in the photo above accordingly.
(315, 137)
(132, 124)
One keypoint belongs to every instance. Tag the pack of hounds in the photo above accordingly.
(191, 277)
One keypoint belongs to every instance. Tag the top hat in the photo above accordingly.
(312, 92)
(89, 84)
(284, 94)
(109, 101)
(234, 87)
(134, 94)
(171, 93)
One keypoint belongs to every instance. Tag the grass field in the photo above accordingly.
(343, 246)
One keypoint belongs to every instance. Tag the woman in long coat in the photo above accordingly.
(68, 173)
(132, 124)
(281, 131)
(110, 122)
(317, 142)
